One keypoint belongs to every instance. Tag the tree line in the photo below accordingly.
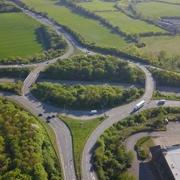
(94, 68)
(8, 7)
(84, 97)
(25, 148)
(14, 87)
(110, 157)
(15, 72)
(49, 39)
(166, 78)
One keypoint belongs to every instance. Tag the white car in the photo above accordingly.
(92, 112)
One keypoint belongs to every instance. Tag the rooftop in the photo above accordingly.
(172, 156)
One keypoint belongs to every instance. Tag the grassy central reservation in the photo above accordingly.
(80, 130)
(17, 35)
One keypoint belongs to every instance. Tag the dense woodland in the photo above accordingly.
(94, 68)
(84, 97)
(111, 158)
(25, 148)
(166, 78)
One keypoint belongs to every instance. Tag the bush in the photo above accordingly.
(12, 87)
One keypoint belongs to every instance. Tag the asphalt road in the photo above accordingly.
(64, 141)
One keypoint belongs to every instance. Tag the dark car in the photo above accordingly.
(48, 121)
(40, 114)
(48, 118)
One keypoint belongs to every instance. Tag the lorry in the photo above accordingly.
(139, 105)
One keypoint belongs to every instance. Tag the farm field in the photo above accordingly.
(172, 1)
(98, 5)
(17, 35)
(90, 29)
(126, 23)
(117, 18)
(157, 9)
(168, 44)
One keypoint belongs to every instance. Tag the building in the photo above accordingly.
(167, 161)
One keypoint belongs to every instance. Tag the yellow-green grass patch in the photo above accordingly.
(98, 5)
(169, 44)
(127, 24)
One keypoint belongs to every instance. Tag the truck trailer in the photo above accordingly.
(139, 105)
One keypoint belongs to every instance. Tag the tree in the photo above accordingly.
(39, 172)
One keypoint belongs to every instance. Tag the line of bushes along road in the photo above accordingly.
(166, 78)
(84, 97)
(94, 68)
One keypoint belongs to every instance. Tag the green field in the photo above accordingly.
(17, 35)
(90, 29)
(98, 5)
(169, 44)
(157, 9)
(117, 18)
(127, 24)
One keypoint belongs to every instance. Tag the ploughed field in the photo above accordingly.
(17, 35)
